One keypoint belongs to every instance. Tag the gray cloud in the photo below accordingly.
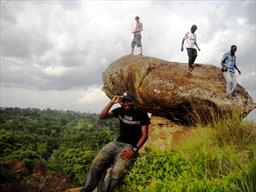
(66, 45)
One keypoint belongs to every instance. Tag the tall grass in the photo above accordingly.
(217, 158)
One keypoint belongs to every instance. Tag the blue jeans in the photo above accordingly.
(107, 168)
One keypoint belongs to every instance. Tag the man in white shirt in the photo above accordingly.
(190, 38)
(137, 35)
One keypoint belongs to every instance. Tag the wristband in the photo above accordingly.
(135, 149)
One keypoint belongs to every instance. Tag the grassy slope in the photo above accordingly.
(217, 158)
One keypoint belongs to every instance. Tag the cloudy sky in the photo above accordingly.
(53, 52)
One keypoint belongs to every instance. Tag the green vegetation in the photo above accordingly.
(65, 141)
(217, 158)
(214, 159)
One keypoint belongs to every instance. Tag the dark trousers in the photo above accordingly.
(192, 54)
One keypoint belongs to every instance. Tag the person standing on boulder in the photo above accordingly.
(228, 63)
(137, 35)
(190, 38)
(119, 155)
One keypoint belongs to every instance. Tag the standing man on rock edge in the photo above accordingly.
(190, 38)
(118, 155)
(137, 35)
(228, 63)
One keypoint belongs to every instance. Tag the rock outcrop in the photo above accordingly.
(169, 90)
(163, 134)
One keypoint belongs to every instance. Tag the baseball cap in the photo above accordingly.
(128, 95)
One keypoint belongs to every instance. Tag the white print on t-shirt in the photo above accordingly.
(128, 120)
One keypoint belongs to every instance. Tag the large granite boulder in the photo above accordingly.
(168, 89)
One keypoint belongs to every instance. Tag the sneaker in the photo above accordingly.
(190, 69)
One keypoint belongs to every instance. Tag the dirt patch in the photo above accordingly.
(12, 172)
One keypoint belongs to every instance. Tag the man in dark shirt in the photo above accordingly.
(121, 153)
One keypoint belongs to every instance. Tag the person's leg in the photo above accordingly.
(194, 56)
(104, 180)
(234, 82)
(119, 169)
(227, 76)
(132, 50)
(139, 43)
(100, 163)
(190, 58)
(133, 45)
(136, 41)
(141, 50)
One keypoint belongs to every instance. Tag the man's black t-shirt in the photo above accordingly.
(130, 124)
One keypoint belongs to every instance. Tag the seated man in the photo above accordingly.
(121, 153)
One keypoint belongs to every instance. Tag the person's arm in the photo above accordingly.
(128, 153)
(197, 47)
(182, 43)
(105, 114)
(237, 69)
(223, 60)
(144, 136)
